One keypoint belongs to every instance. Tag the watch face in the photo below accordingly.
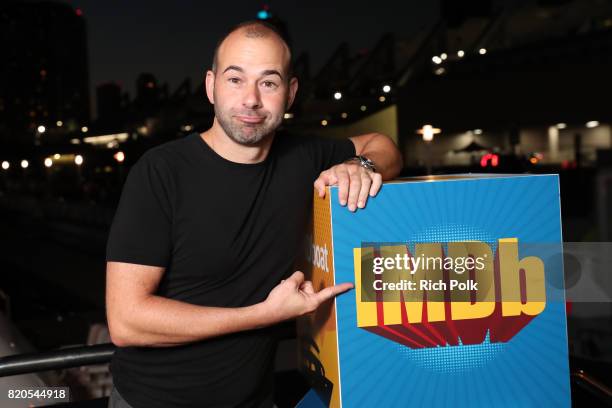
(365, 162)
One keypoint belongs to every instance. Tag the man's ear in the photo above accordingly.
(293, 87)
(209, 83)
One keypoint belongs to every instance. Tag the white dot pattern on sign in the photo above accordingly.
(453, 359)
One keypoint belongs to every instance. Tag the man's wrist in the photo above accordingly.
(262, 315)
(363, 162)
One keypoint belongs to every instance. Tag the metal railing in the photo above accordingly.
(56, 359)
(582, 383)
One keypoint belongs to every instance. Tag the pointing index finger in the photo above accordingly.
(332, 291)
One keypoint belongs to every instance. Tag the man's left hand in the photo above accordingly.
(355, 184)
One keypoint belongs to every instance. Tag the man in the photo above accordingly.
(200, 252)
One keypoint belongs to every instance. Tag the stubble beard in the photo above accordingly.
(245, 133)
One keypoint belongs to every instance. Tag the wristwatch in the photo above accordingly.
(363, 162)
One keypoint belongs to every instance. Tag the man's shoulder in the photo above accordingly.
(169, 154)
(292, 140)
(307, 142)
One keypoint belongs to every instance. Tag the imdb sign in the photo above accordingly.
(458, 298)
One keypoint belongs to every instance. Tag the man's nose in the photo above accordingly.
(252, 98)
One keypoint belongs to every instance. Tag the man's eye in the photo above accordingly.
(269, 84)
(234, 80)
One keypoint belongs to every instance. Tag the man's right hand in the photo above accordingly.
(295, 297)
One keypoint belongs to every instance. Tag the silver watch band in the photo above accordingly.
(363, 162)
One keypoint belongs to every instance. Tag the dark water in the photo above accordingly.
(54, 278)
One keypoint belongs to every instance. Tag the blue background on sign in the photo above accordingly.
(529, 370)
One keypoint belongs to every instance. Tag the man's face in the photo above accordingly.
(250, 89)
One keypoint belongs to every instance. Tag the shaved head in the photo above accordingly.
(254, 29)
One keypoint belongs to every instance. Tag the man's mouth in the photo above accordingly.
(251, 120)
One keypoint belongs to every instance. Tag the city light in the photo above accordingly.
(482, 51)
(119, 156)
(440, 71)
(592, 124)
(56, 156)
(323, 122)
(443, 56)
(382, 98)
(363, 108)
(491, 158)
(428, 132)
(84, 129)
(105, 139)
(78, 159)
(437, 60)
(24, 164)
(185, 128)
(48, 162)
(561, 125)
(460, 53)
(477, 131)
(288, 115)
(338, 96)
(5, 165)
(59, 123)
(344, 115)
(386, 88)
(41, 129)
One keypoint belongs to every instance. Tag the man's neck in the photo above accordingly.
(227, 148)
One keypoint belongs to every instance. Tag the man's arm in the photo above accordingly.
(382, 151)
(137, 317)
(356, 183)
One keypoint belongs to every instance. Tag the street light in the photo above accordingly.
(24, 164)
(119, 156)
(428, 132)
(5, 165)
(48, 162)
(460, 53)
(84, 129)
(41, 129)
(386, 88)
(338, 96)
(592, 124)
(78, 159)
(482, 51)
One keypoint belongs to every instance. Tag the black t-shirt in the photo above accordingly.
(227, 233)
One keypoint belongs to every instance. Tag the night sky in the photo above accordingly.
(175, 39)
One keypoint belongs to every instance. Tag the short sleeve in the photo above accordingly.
(141, 231)
(327, 152)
